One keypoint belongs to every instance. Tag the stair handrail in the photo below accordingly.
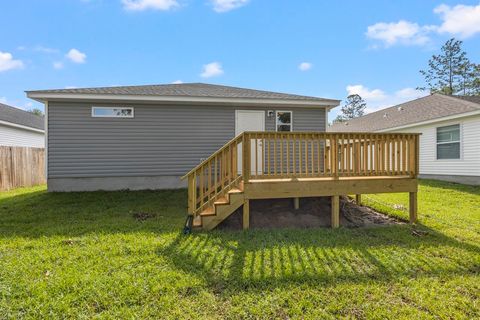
(201, 164)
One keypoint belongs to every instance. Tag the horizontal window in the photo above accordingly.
(284, 121)
(448, 142)
(112, 112)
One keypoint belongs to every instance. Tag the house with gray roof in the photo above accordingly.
(20, 128)
(147, 137)
(450, 133)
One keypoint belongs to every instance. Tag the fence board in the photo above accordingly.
(21, 167)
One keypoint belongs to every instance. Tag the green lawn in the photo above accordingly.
(84, 255)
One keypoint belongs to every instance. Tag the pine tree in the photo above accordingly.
(353, 108)
(449, 72)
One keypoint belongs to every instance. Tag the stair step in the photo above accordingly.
(208, 212)
(235, 190)
(221, 201)
(197, 222)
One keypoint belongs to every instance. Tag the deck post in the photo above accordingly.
(191, 194)
(296, 203)
(335, 211)
(413, 207)
(246, 214)
(246, 162)
(358, 199)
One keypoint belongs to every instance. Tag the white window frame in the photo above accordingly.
(276, 120)
(459, 141)
(114, 116)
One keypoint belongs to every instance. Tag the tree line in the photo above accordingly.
(451, 72)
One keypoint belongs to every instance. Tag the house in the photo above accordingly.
(147, 137)
(450, 132)
(228, 145)
(20, 128)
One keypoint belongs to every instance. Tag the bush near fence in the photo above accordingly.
(21, 167)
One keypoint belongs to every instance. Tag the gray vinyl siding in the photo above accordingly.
(158, 141)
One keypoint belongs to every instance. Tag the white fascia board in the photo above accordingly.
(416, 124)
(42, 97)
(10, 124)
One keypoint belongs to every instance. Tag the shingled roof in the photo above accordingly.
(21, 117)
(183, 90)
(435, 106)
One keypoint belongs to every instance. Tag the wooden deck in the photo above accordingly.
(269, 165)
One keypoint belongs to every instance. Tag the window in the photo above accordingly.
(448, 142)
(111, 112)
(284, 120)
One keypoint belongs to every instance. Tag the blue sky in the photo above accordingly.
(320, 48)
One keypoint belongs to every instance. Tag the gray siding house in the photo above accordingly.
(147, 137)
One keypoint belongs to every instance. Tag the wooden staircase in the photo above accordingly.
(221, 209)
(215, 186)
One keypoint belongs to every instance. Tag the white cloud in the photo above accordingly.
(460, 20)
(366, 93)
(58, 65)
(71, 87)
(140, 5)
(212, 70)
(8, 63)
(227, 5)
(45, 49)
(304, 66)
(401, 32)
(3, 100)
(76, 56)
(177, 82)
(377, 99)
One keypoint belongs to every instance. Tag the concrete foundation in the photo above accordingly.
(471, 180)
(115, 183)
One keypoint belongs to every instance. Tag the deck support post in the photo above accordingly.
(191, 194)
(413, 207)
(246, 214)
(296, 203)
(335, 211)
(358, 199)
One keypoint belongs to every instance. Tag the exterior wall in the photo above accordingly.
(469, 163)
(157, 146)
(12, 136)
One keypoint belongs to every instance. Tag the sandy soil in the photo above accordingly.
(313, 213)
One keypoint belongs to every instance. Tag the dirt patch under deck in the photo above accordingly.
(313, 213)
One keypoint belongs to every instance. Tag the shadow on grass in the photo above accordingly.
(39, 213)
(263, 258)
(237, 260)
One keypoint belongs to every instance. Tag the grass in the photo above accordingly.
(84, 255)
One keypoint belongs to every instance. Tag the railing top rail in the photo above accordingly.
(331, 133)
(212, 155)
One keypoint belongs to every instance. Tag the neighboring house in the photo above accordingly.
(21, 128)
(147, 137)
(450, 128)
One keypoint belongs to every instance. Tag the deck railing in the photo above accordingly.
(278, 155)
(214, 176)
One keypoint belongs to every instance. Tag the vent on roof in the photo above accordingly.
(385, 115)
(400, 108)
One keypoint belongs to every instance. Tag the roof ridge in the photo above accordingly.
(194, 89)
(458, 98)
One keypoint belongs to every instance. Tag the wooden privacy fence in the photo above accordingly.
(21, 167)
(277, 155)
